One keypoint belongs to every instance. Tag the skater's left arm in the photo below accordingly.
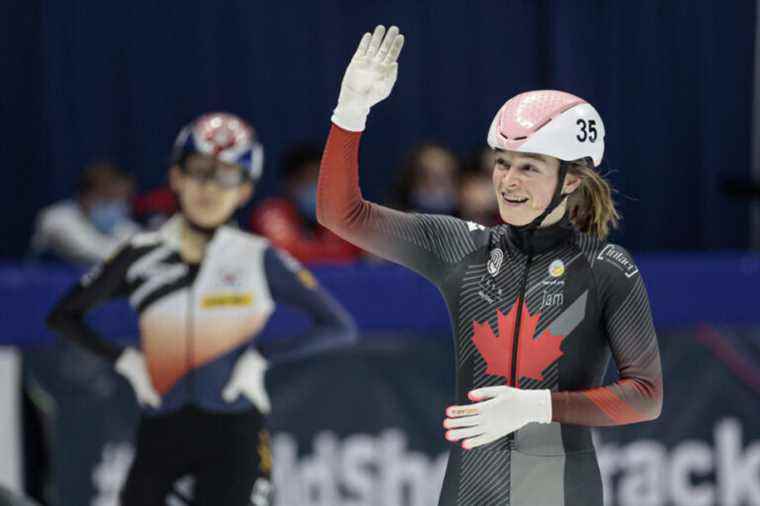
(637, 395)
(293, 285)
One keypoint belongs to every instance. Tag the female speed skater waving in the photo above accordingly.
(538, 303)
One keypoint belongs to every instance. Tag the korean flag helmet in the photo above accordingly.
(224, 136)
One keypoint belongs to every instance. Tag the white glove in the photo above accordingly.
(506, 410)
(248, 378)
(131, 365)
(369, 77)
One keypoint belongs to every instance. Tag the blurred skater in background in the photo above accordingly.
(203, 289)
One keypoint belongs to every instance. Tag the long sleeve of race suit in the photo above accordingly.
(427, 244)
(103, 282)
(637, 395)
(293, 285)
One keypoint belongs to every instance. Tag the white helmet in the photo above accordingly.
(549, 122)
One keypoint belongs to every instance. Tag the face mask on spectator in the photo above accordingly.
(106, 215)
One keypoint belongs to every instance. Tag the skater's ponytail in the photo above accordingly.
(591, 207)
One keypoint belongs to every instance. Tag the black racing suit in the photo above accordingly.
(540, 310)
(196, 320)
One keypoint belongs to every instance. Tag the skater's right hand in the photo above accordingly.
(369, 78)
(131, 365)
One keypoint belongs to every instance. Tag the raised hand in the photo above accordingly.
(369, 78)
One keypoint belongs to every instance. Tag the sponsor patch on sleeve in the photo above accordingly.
(307, 279)
(619, 258)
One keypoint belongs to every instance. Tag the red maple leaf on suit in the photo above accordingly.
(533, 355)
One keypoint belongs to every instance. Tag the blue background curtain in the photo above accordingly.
(672, 79)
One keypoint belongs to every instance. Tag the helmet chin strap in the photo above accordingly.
(555, 202)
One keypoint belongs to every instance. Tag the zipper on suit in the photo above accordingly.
(518, 317)
(518, 320)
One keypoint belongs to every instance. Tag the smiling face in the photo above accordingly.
(524, 184)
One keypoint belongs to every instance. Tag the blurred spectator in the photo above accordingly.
(82, 231)
(88, 228)
(429, 180)
(154, 207)
(477, 201)
(290, 221)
